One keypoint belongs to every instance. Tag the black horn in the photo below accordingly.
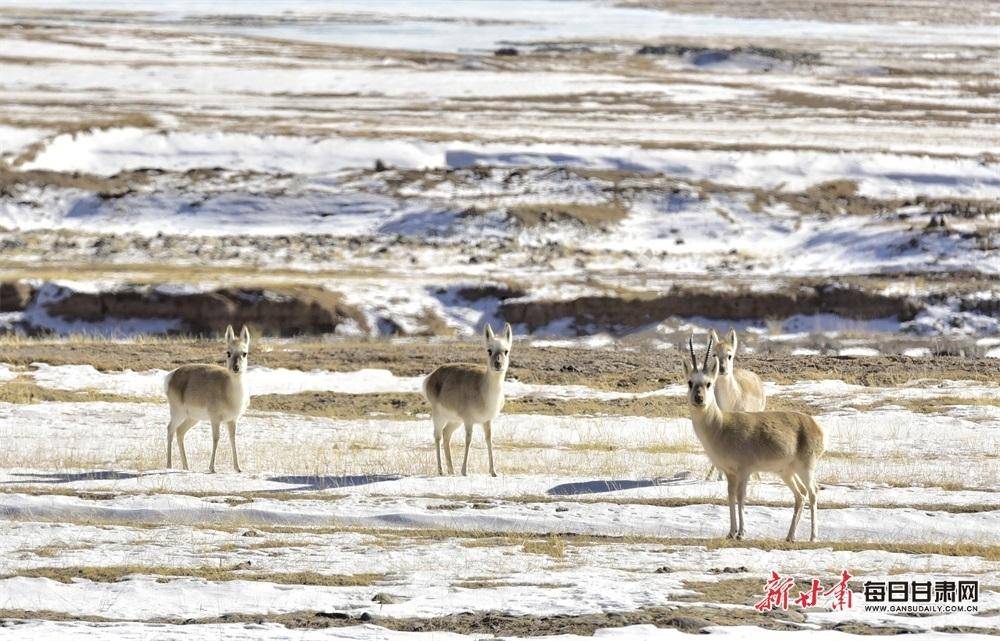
(694, 359)
(704, 365)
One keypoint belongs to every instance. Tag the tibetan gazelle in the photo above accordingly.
(209, 393)
(736, 390)
(466, 395)
(740, 443)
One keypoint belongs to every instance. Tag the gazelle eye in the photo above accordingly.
(708, 385)
(690, 384)
(228, 354)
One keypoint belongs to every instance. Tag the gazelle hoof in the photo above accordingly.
(731, 535)
(493, 474)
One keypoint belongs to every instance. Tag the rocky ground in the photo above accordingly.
(632, 175)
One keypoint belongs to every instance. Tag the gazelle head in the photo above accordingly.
(498, 348)
(700, 379)
(237, 350)
(725, 351)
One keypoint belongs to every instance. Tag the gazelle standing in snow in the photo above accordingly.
(209, 393)
(466, 395)
(737, 390)
(740, 443)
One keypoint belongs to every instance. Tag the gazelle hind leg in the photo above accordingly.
(810, 488)
(171, 432)
(181, 431)
(449, 429)
(439, 425)
(795, 485)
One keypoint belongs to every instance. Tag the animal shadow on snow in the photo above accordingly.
(601, 486)
(60, 477)
(332, 482)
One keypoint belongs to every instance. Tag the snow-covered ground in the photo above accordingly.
(213, 132)
(83, 487)
(393, 153)
(590, 514)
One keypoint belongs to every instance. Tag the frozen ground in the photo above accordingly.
(623, 150)
(399, 157)
(591, 514)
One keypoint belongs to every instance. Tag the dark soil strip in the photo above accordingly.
(692, 620)
(632, 371)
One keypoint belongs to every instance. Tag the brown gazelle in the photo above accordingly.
(466, 395)
(737, 389)
(209, 393)
(740, 443)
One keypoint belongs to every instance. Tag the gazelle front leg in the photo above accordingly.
(488, 433)
(468, 442)
(733, 483)
(741, 495)
(231, 426)
(215, 444)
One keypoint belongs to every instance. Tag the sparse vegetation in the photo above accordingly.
(239, 572)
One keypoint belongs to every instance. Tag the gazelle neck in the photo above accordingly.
(494, 379)
(707, 417)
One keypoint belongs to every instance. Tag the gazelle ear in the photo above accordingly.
(688, 368)
(245, 335)
(732, 337)
(488, 333)
(230, 334)
(508, 333)
(714, 336)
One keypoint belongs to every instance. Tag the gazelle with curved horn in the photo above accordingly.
(741, 443)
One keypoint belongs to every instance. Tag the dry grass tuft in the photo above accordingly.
(24, 390)
(552, 546)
